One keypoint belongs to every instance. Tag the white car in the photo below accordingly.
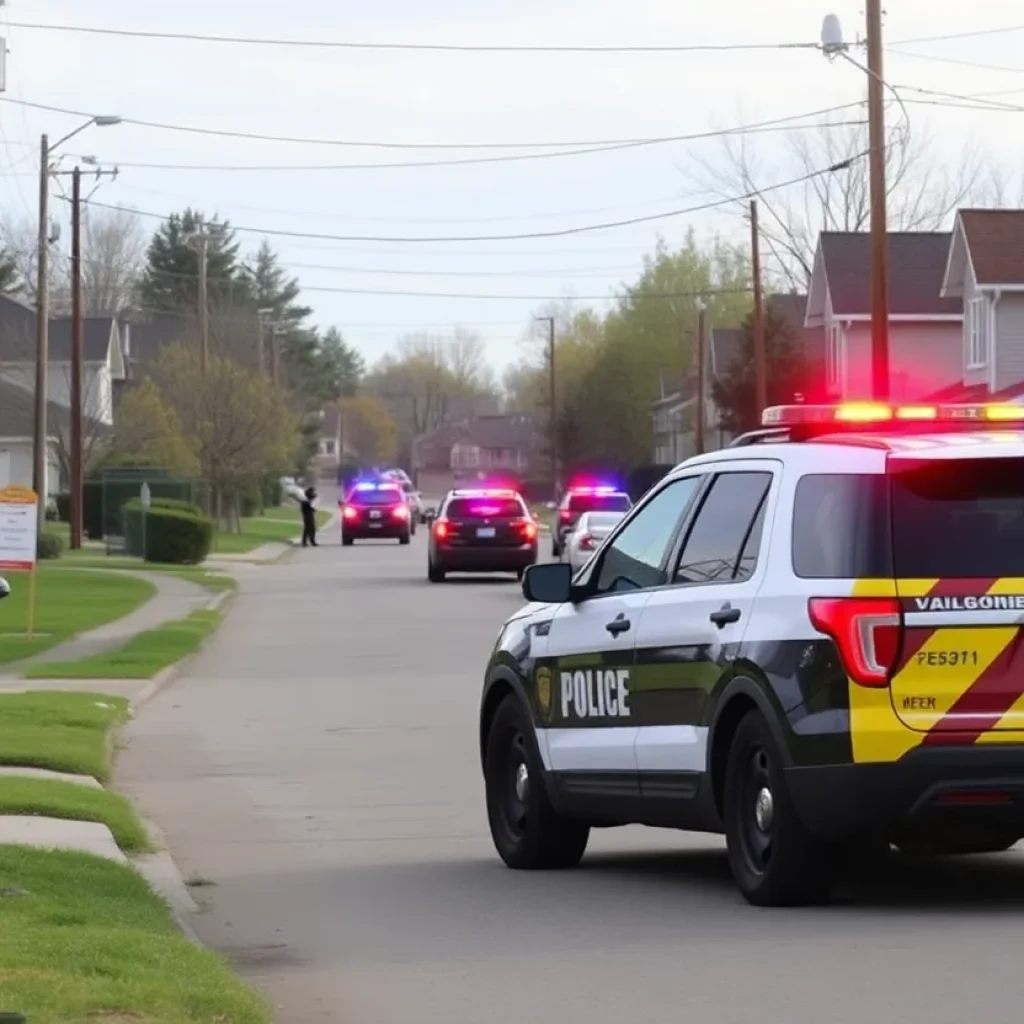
(588, 534)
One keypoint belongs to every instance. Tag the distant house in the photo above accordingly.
(17, 431)
(985, 270)
(925, 326)
(331, 448)
(472, 449)
(102, 358)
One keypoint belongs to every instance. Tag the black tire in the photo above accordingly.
(556, 551)
(404, 539)
(526, 831)
(347, 542)
(433, 574)
(520, 573)
(775, 861)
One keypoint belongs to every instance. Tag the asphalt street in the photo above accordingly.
(319, 766)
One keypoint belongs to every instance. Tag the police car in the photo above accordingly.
(809, 641)
(481, 530)
(376, 509)
(581, 498)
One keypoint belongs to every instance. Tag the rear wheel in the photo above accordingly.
(527, 832)
(434, 574)
(773, 858)
(404, 539)
(347, 541)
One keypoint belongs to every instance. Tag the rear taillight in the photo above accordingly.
(441, 528)
(587, 543)
(565, 515)
(527, 527)
(866, 630)
(400, 511)
(350, 513)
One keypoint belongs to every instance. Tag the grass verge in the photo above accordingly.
(86, 939)
(67, 603)
(48, 798)
(279, 525)
(142, 657)
(65, 732)
(208, 578)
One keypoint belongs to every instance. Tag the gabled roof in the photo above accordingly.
(917, 265)
(991, 242)
(509, 430)
(18, 336)
(17, 414)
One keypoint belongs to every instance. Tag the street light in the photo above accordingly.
(833, 45)
(41, 432)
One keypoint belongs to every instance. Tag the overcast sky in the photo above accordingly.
(431, 97)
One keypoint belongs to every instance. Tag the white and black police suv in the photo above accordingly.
(810, 641)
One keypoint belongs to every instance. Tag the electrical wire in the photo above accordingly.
(974, 33)
(958, 61)
(567, 148)
(338, 44)
(845, 164)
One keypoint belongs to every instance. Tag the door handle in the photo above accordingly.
(620, 624)
(725, 615)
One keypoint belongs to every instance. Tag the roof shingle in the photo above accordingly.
(995, 239)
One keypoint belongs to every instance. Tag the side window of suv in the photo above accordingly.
(725, 538)
(634, 559)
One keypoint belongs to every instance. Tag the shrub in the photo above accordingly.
(50, 546)
(177, 505)
(273, 492)
(250, 503)
(172, 536)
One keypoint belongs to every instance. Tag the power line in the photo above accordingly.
(338, 44)
(553, 233)
(1003, 30)
(566, 147)
(958, 61)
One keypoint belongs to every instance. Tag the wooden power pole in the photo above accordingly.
(879, 236)
(77, 476)
(760, 369)
(698, 426)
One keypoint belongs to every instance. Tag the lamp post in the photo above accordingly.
(40, 440)
(833, 45)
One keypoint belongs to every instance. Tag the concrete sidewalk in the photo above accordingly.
(175, 598)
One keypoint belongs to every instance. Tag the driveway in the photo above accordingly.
(320, 767)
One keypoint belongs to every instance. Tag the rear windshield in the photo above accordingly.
(840, 527)
(378, 497)
(486, 508)
(962, 518)
(598, 503)
(603, 520)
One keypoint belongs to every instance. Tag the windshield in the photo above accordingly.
(962, 519)
(598, 503)
(485, 508)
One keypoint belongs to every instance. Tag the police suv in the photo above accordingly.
(810, 641)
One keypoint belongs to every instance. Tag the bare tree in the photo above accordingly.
(923, 189)
(113, 256)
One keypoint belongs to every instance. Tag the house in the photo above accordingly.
(102, 358)
(17, 431)
(985, 270)
(331, 449)
(925, 325)
(673, 411)
(500, 444)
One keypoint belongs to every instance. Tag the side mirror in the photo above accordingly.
(548, 583)
(5, 588)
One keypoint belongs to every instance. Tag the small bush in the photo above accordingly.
(177, 505)
(63, 501)
(251, 504)
(50, 546)
(273, 492)
(172, 536)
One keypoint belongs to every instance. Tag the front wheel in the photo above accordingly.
(526, 831)
(774, 860)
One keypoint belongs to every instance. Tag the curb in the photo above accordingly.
(170, 674)
(166, 880)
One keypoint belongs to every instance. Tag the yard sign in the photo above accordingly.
(19, 518)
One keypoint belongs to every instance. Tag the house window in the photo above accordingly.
(327, 447)
(977, 329)
(834, 357)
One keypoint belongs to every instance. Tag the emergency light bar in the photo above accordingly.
(871, 413)
(503, 492)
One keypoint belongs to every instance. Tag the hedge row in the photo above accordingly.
(171, 532)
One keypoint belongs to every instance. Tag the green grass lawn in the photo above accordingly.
(48, 798)
(65, 732)
(87, 940)
(142, 657)
(66, 603)
(279, 525)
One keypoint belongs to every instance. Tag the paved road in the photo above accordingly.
(320, 767)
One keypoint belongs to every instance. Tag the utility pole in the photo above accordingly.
(552, 412)
(879, 235)
(760, 370)
(200, 241)
(262, 315)
(275, 356)
(41, 440)
(698, 427)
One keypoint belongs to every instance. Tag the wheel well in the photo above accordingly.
(497, 693)
(721, 740)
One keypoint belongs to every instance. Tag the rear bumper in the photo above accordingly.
(929, 788)
(366, 532)
(467, 559)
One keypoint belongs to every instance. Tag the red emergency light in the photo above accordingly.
(881, 413)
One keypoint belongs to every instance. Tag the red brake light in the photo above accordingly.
(528, 526)
(350, 512)
(867, 631)
(401, 512)
(586, 542)
(441, 528)
(564, 514)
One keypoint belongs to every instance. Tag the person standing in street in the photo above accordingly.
(308, 506)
